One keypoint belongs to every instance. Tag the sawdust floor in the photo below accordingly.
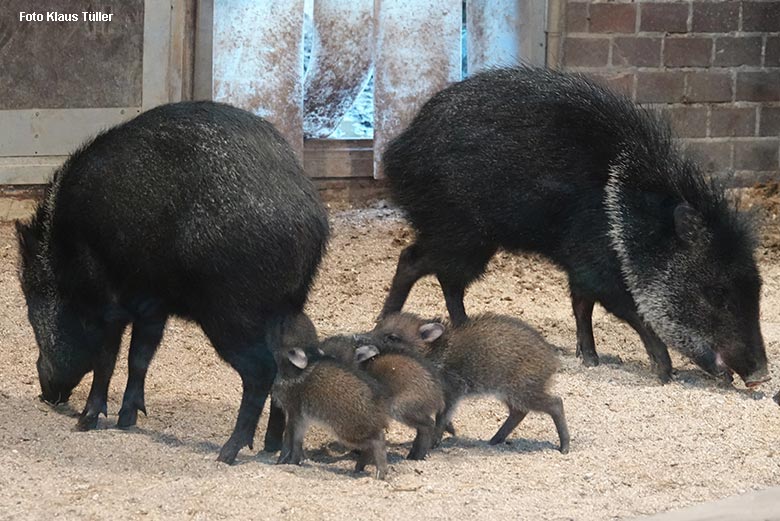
(637, 447)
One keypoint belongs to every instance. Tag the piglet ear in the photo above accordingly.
(431, 331)
(689, 224)
(364, 353)
(28, 240)
(297, 358)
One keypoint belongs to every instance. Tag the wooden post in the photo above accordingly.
(258, 61)
(417, 53)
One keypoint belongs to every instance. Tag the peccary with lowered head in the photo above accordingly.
(529, 159)
(195, 209)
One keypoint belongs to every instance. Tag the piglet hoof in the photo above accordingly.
(416, 455)
(380, 474)
(284, 458)
(449, 428)
(564, 448)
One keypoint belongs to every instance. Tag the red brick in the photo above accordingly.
(758, 86)
(714, 17)
(772, 52)
(708, 86)
(638, 52)
(660, 87)
(733, 52)
(612, 18)
(770, 121)
(585, 52)
(756, 154)
(622, 82)
(577, 17)
(664, 17)
(711, 157)
(761, 16)
(732, 121)
(688, 52)
(687, 121)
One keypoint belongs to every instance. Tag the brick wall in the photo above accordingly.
(712, 65)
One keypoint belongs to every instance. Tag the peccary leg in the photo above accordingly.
(516, 415)
(586, 346)
(454, 292)
(443, 421)
(553, 406)
(256, 367)
(411, 267)
(376, 451)
(425, 432)
(275, 429)
(105, 360)
(286, 452)
(297, 433)
(656, 349)
(147, 334)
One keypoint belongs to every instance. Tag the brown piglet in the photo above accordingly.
(488, 354)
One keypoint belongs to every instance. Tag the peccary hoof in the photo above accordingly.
(87, 422)
(228, 453)
(589, 359)
(127, 418)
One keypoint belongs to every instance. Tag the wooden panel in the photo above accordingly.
(493, 35)
(533, 35)
(53, 132)
(258, 61)
(505, 33)
(157, 52)
(417, 54)
(204, 36)
(340, 62)
(28, 170)
(342, 158)
(76, 64)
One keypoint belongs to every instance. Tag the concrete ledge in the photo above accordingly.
(754, 506)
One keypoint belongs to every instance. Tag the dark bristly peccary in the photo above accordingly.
(195, 209)
(486, 354)
(416, 394)
(529, 159)
(313, 387)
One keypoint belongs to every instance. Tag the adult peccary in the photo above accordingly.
(486, 354)
(529, 159)
(199, 210)
(313, 387)
(412, 383)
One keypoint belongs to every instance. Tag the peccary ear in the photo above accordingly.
(364, 353)
(689, 224)
(28, 240)
(431, 331)
(297, 358)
